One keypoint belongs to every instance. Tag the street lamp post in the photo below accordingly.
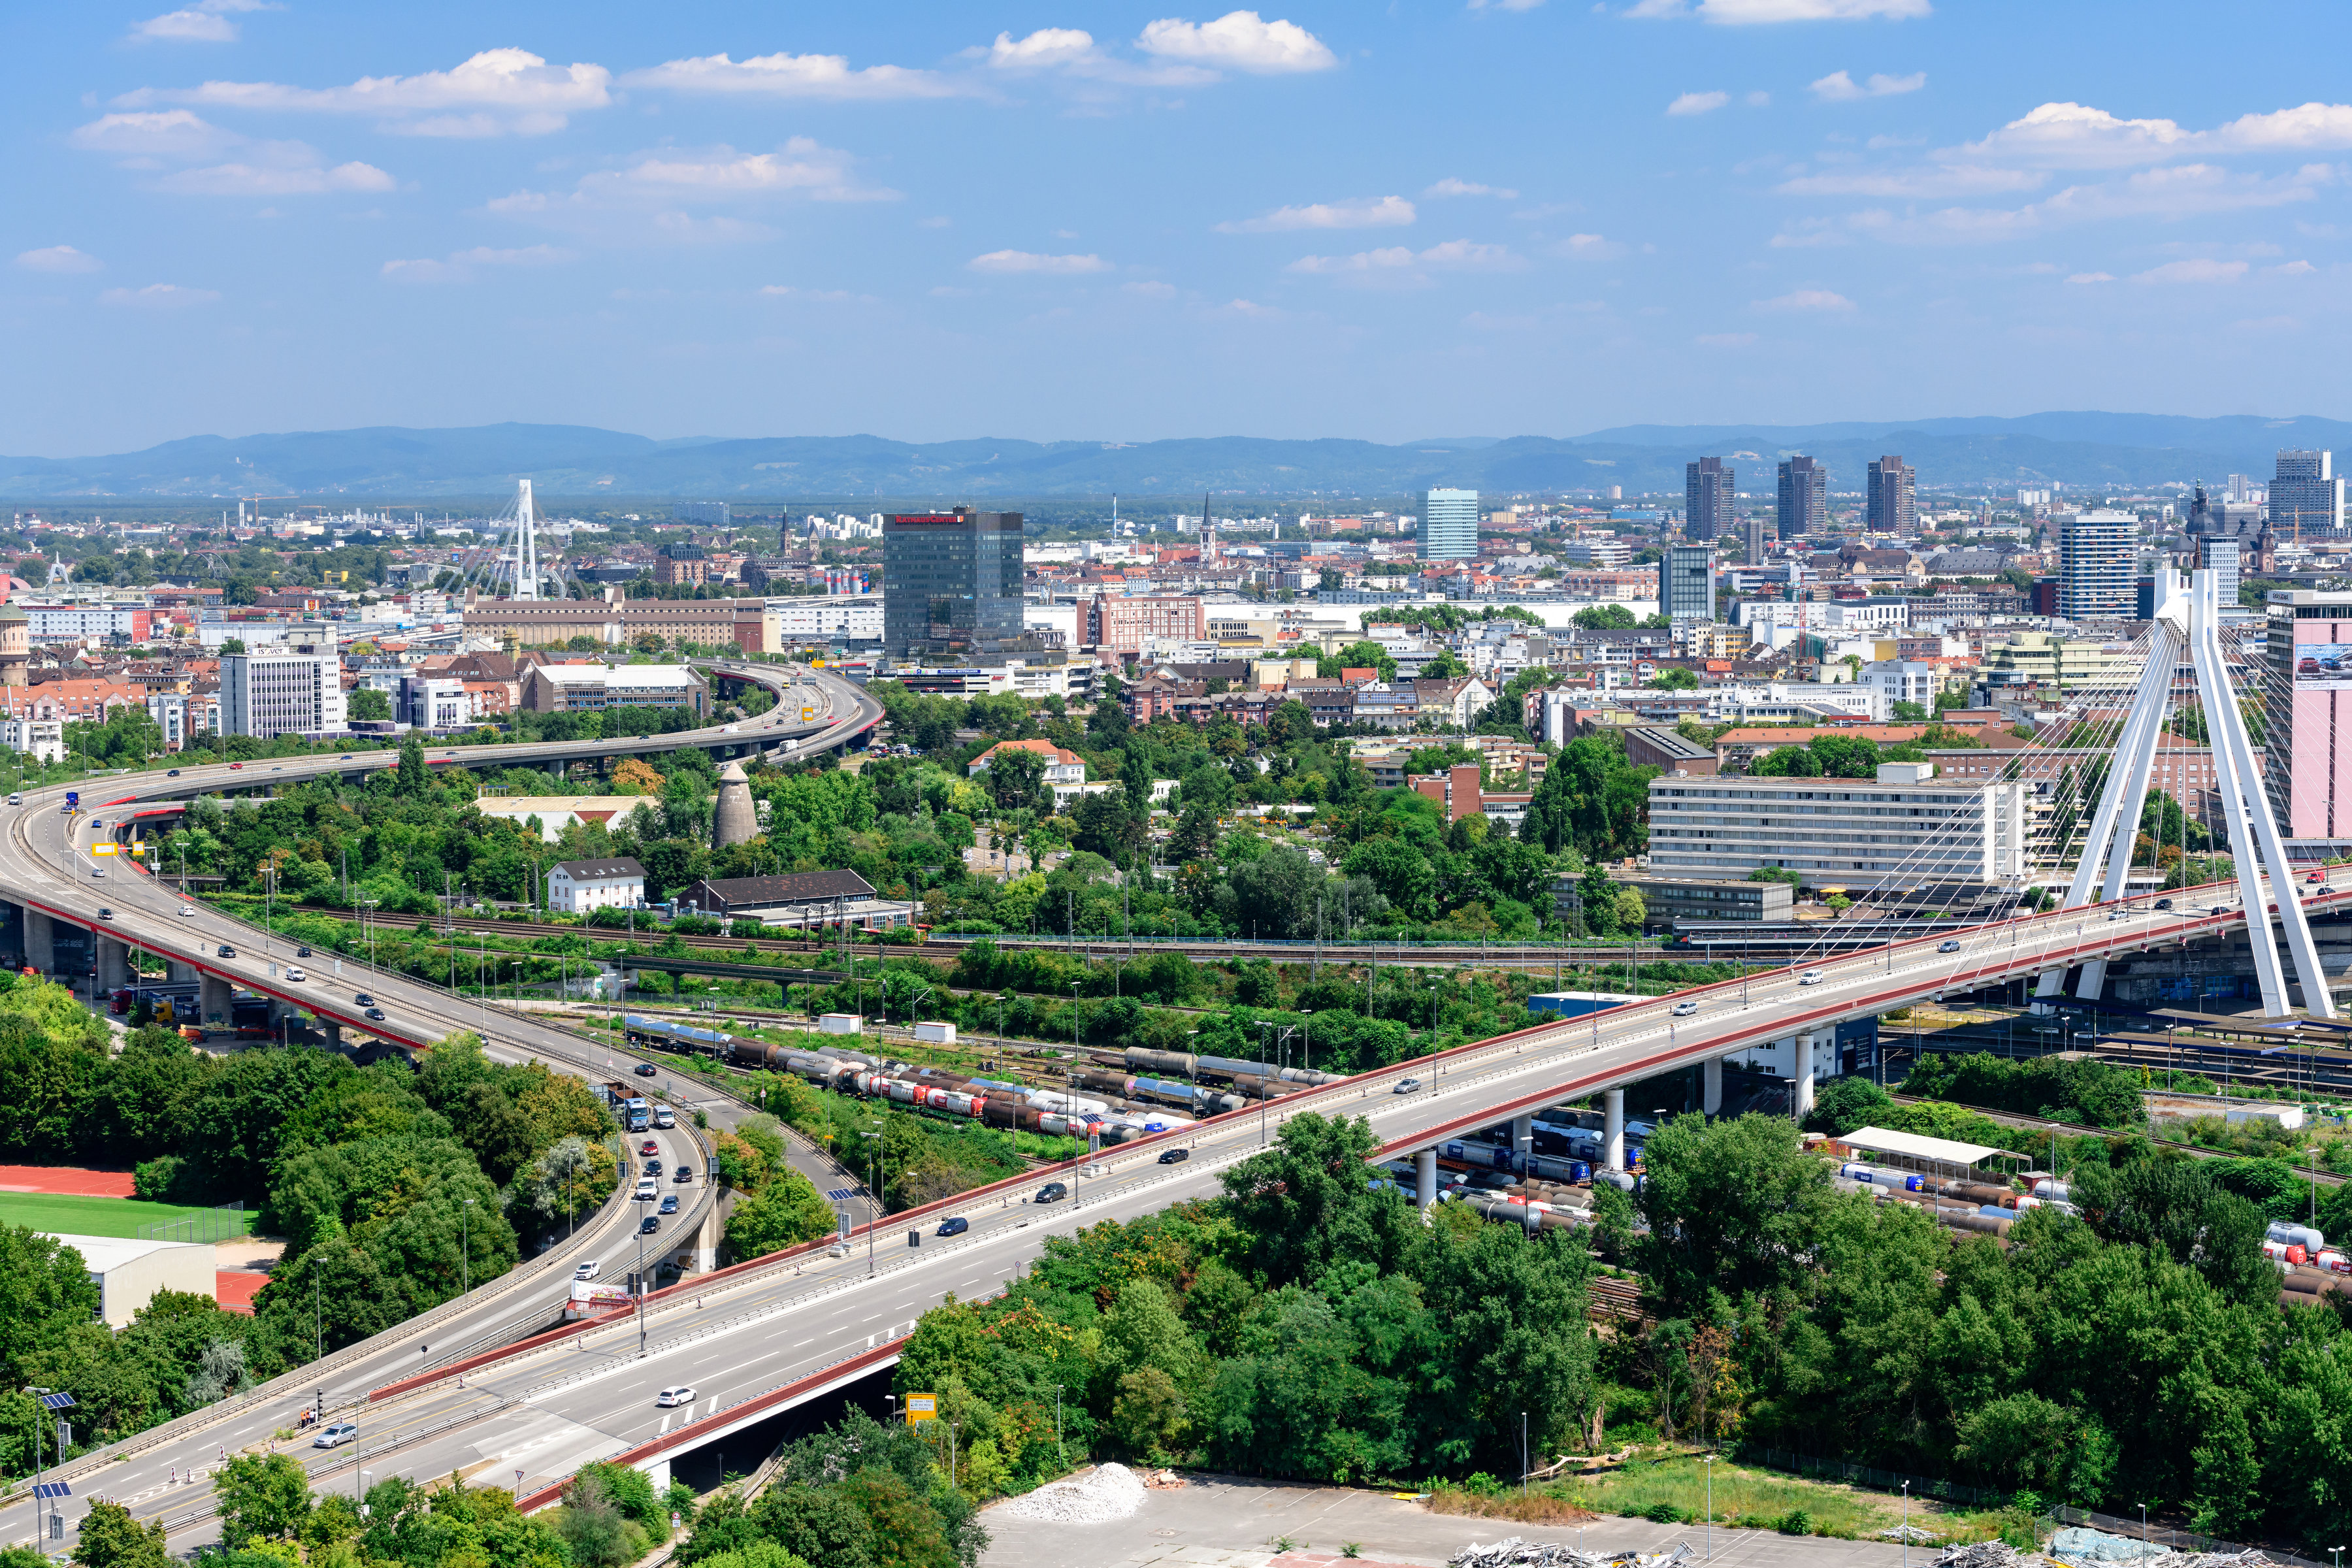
(466, 1234)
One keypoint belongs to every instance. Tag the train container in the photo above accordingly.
(2302, 1236)
(2044, 1187)
(1994, 1224)
(1010, 1114)
(1184, 1093)
(1182, 1063)
(2335, 1262)
(1980, 1193)
(994, 1084)
(840, 1024)
(1066, 1104)
(1104, 1083)
(936, 1033)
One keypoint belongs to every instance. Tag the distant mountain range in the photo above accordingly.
(2089, 451)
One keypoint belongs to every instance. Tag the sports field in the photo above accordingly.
(70, 1216)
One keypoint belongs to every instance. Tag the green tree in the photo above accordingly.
(1732, 1208)
(1676, 678)
(369, 703)
(415, 782)
(786, 1212)
(261, 1498)
(1304, 1202)
(110, 1537)
(1604, 617)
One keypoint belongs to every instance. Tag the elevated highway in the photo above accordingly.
(782, 1332)
(47, 870)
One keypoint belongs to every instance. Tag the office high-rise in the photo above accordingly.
(1754, 532)
(2223, 558)
(282, 692)
(2098, 565)
(2305, 494)
(1804, 497)
(1686, 582)
(1449, 525)
(1708, 491)
(1894, 497)
(950, 579)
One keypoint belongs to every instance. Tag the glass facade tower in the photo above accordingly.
(1449, 525)
(1804, 497)
(951, 580)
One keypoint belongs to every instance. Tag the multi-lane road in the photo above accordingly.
(794, 1327)
(46, 867)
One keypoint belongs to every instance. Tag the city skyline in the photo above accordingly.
(732, 223)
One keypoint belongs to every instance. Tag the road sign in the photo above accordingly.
(922, 1407)
(104, 849)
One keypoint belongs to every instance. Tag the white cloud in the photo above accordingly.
(2202, 270)
(794, 76)
(823, 296)
(1399, 266)
(1043, 49)
(1588, 247)
(1250, 310)
(1725, 340)
(461, 264)
(515, 90)
(1747, 13)
(1450, 186)
(2074, 136)
(804, 168)
(1383, 212)
(1504, 5)
(2091, 278)
(2291, 269)
(206, 22)
(1698, 103)
(1151, 289)
(1238, 40)
(1838, 86)
(269, 180)
(158, 296)
(1807, 299)
(170, 133)
(59, 258)
(1031, 261)
(934, 223)
(1916, 184)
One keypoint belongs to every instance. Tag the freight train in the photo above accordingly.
(995, 1102)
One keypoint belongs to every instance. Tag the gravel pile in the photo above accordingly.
(1112, 1492)
(1981, 1554)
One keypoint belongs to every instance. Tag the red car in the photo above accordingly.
(237, 765)
(649, 1147)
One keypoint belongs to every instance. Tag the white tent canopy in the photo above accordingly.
(1914, 1147)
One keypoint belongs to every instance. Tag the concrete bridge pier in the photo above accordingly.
(177, 972)
(1710, 1093)
(40, 940)
(1424, 1178)
(113, 964)
(334, 1033)
(707, 1240)
(1612, 1129)
(1806, 1048)
(212, 1001)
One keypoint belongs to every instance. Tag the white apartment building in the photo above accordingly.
(1903, 830)
(850, 617)
(1902, 681)
(43, 740)
(1786, 699)
(184, 715)
(271, 693)
(1887, 613)
(433, 702)
(579, 886)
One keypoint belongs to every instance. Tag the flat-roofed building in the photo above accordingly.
(128, 1274)
(1906, 828)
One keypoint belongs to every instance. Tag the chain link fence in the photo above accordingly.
(226, 1223)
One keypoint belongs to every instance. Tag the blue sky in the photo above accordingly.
(1118, 222)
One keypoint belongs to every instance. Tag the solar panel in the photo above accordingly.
(58, 1400)
(54, 1490)
(841, 1194)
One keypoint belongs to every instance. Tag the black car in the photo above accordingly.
(361, 999)
(1174, 1156)
(1050, 1192)
(104, 913)
(652, 1168)
(224, 950)
(301, 952)
(2164, 903)
(669, 1202)
(954, 1227)
(650, 1225)
(376, 1013)
(645, 1069)
(172, 774)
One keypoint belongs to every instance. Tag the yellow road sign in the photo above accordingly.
(922, 1407)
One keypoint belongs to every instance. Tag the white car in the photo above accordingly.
(1684, 1009)
(1406, 1086)
(588, 1270)
(295, 975)
(669, 1398)
(186, 910)
(335, 1437)
(1809, 977)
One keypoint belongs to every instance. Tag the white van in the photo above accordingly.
(664, 1117)
(648, 1189)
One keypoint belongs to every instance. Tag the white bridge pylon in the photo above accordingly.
(526, 543)
(2188, 618)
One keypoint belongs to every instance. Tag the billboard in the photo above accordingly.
(2320, 666)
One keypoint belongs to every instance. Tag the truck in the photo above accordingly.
(636, 1114)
